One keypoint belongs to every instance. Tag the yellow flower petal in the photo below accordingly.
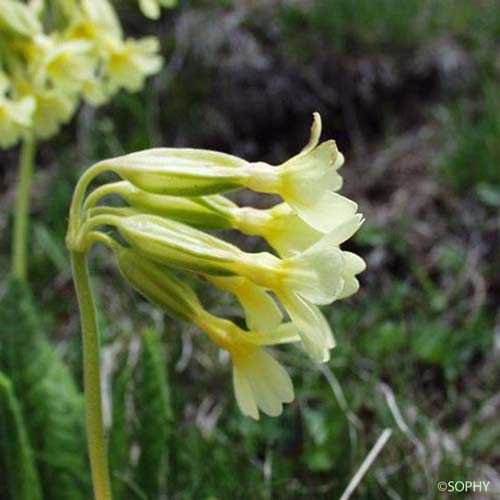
(150, 8)
(244, 395)
(260, 382)
(312, 328)
(323, 209)
(316, 273)
(261, 311)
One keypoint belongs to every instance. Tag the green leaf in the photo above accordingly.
(154, 418)
(50, 402)
(17, 464)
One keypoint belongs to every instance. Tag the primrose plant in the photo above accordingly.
(171, 197)
(53, 56)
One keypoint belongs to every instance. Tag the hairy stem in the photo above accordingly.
(21, 214)
(102, 191)
(75, 211)
(92, 378)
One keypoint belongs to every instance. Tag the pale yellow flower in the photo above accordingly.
(307, 182)
(261, 311)
(259, 381)
(167, 185)
(18, 19)
(85, 56)
(152, 8)
(130, 62)
(317, 276)
(93, 20)
(60, 65)
(53, 109)
(280, 225)
(16, 118)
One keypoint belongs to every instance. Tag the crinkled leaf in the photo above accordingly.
(51, 405)
(154, 417)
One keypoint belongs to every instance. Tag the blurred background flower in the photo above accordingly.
(66, 50)
(54, 55)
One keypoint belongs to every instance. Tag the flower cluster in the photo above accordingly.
(53, 54)
(173, 198)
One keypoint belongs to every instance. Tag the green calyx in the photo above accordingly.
(158, 285)
(209, 212)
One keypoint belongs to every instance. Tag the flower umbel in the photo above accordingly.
(171, 198)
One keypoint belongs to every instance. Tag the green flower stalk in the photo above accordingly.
(171, 198)
(21, 214)
(92, 378)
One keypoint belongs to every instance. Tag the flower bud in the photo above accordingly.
(158, 285)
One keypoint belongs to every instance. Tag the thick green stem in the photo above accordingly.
(92, 378)
(21, 214)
